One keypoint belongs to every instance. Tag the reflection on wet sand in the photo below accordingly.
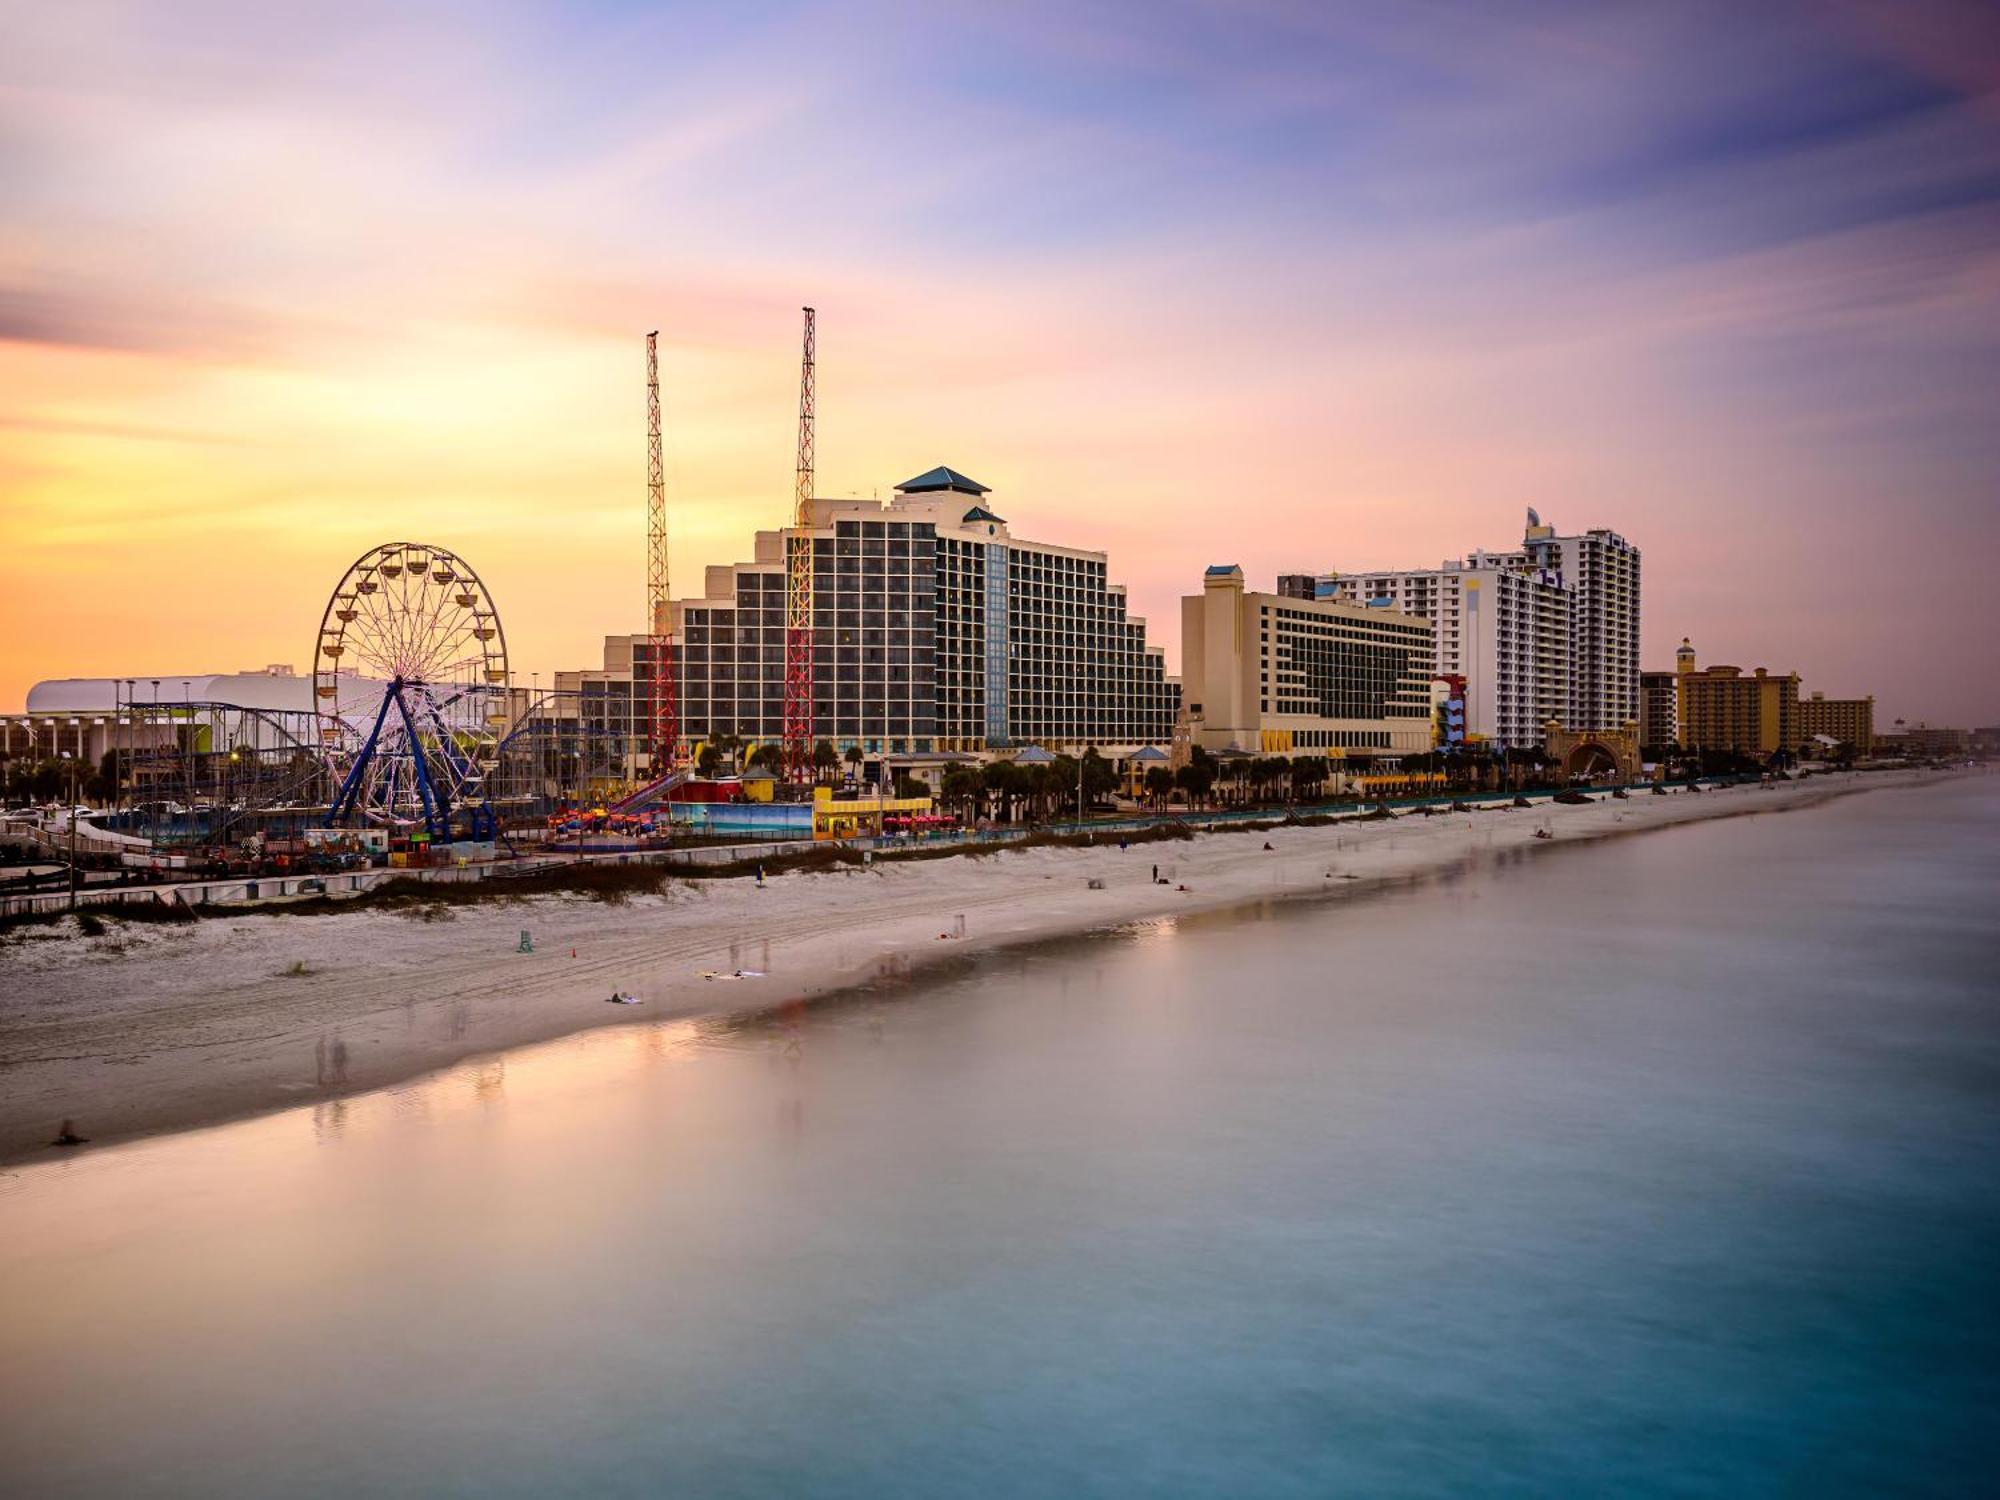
(330, 1062)
(329, 1119)
(528, 1077)
(489, 1080)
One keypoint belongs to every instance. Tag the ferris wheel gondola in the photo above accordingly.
(410, 680)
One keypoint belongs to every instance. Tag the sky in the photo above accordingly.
(1296, 286)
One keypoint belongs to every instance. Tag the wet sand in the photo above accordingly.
(162, 1027)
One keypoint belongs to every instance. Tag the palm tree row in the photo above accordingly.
(1007, 792)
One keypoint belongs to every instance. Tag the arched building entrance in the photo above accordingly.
(1596, 753)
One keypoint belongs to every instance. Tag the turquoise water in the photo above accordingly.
(1664, 1166)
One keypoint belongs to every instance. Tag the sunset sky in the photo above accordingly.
(1297, 286)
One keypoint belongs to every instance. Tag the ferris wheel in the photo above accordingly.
(410, 683)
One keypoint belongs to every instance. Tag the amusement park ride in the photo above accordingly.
(408, 731)
(411, 687)
(416, 709)
(665, 716)
(419, 725)
(798, 741)
(415, 727)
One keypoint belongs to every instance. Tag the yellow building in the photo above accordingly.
(1721, 709)
(1851, 721)
(860, 817)
(1399, 784)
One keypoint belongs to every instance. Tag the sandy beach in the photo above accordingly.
(160, 1027)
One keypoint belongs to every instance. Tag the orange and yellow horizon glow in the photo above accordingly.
(1296, 290)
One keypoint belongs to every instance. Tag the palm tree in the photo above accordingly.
(1275, 778)
(45, 781)
(1044, 786)
(1262, 773)
(1305, 774)
(1205, 768)
(1100, 777)
(1197, 780)
(1059, 785)
(962, 788)
(1005, 781)
(826, 759)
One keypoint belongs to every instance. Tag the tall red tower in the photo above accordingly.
(665, 717)
(799, 591)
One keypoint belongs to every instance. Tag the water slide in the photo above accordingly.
(652, 792)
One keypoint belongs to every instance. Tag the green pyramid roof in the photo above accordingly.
(941, 478)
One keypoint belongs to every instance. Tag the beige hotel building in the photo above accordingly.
(1268, 674)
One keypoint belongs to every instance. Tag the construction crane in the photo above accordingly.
(798, 745)
(665, 718)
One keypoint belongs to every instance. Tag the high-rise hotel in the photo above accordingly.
(934, 629)
(1719, 708)
(1547, 631)
(1601, 569)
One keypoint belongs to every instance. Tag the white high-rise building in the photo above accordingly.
(1602, 569)
(1550, 631)
(1503, 628)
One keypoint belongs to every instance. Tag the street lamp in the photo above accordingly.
(131, 743)
(72, 828)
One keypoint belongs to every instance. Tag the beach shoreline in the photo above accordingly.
(152, 1028)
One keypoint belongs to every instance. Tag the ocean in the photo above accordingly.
(1663, 1165)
